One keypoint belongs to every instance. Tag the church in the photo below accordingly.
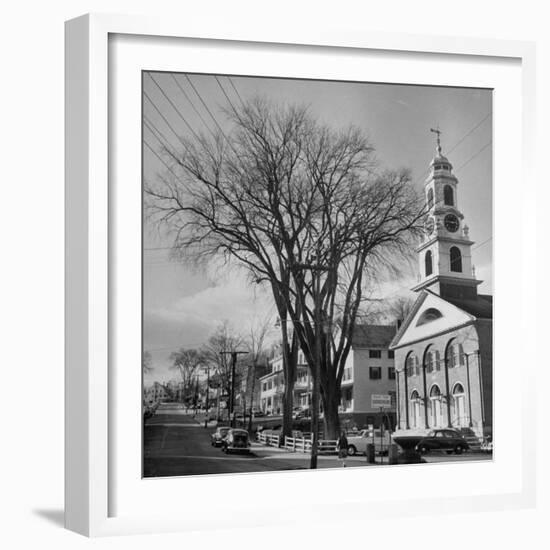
(443, 349)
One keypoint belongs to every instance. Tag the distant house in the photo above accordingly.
(155, 394)
(272, 386)
(248, 386)
(369, 370)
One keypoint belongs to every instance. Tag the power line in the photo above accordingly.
(209, 112)
(146, 143)
(191, 103)
(155, 130)
(470, 132)
(166, 121)
(174, 107)
(482, 243)
(475, 127)
(236, 91)
(226, 96)
(474, 155)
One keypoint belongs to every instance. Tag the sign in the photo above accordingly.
(380, 401)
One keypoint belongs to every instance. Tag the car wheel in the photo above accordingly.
(352, 450)
(459, 449)
(424, 450)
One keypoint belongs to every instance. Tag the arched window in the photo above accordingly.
(456, 259)
(458, 389)
(430, 198)
(415, 409)
(435, 406)
(431, 314)
(454, 354)
(428, 262)
(410, 364)
(448, 195)
(428, 359)
(431, 359)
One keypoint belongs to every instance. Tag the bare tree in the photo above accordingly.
(147, 362)
(187, 363)
(400, 307)
(256, 343)
(305, 210)
(216, 352)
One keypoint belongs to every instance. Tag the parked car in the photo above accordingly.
(236, 440)
(257, 413)
(487, 445)
(357, 443)
(217, 437)
(443, 440)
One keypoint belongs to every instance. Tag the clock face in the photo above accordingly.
(451, 223)
(429, 226)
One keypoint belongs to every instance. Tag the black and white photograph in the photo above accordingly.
(317, 274)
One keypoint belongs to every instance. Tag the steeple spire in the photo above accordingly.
(445, 254)
(438, 132)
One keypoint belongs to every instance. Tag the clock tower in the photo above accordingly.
(445, 251)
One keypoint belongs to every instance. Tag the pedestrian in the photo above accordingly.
(343, 448)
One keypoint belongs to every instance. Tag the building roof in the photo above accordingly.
(480, 307)
(372, 336)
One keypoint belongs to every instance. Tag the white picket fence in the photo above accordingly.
(303, 445)
(269, 439)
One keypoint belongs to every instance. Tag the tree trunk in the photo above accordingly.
(331, 402)
(290, 357)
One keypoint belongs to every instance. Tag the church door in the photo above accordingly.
(460, 419)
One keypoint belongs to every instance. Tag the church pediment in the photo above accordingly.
(430, 315)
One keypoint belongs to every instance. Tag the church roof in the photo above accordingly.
(480, 307)
(372, 336)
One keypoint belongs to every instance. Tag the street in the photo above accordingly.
(178, 445)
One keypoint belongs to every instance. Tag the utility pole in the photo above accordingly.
(234, 355)
(207, 390)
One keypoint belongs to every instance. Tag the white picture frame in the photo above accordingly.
(94, 439)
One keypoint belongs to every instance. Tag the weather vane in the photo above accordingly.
(438, 132)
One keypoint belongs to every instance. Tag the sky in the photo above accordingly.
(181, 307)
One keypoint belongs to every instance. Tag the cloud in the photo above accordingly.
(192, 318)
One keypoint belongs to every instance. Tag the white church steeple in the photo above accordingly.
(445, 252)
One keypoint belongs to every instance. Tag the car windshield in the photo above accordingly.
(431, 434)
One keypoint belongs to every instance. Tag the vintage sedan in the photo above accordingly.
(357, 443)
(236, 440)
(217, 437)
(446, 440)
